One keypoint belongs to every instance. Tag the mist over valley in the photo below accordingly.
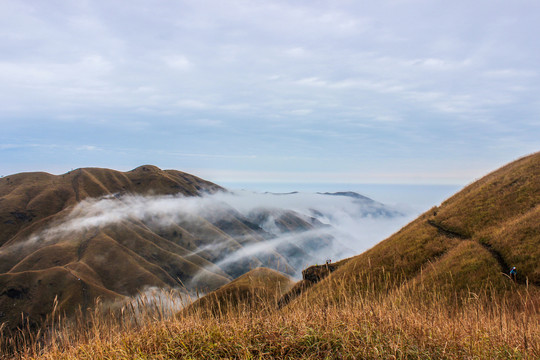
(101, 233)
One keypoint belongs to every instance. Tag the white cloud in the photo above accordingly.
(297, 52)
(357, 224)
(301, 112)
(178, 62)
(89, 148)
(207, 122)
(510, 73)
(24, 74)
(311, 81)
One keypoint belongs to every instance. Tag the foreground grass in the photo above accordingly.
(400, 325)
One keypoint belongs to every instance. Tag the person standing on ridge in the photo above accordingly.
(513, 273)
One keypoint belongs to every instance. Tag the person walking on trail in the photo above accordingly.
(513, 273)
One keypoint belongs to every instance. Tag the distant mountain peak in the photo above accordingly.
(287, 193)
(350, 194)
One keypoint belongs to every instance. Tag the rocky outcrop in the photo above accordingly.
(310, 276)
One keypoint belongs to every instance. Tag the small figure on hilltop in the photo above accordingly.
(328, 261)
(513, 273)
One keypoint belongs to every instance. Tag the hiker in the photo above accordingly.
(513, 273)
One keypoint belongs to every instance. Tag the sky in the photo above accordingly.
(386, 92)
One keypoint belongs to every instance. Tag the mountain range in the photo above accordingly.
(69, 239)
(66, 240)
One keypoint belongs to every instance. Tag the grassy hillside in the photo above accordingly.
(466, 244)
(76, 267)
(30, 197)
(404, 324)
(252, 291)
(73, 238)
(437, 289)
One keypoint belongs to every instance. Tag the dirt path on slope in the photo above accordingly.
(505, 268)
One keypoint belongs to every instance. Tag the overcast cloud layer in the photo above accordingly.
(351, 91)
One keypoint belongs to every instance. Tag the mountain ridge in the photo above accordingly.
(103, 233)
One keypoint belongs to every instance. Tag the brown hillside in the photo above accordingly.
(467, 243)
(78, 267)
(198, 252)
(32, 295)
(252, 291)
(30, 197)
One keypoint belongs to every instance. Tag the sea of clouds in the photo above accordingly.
(356, 223)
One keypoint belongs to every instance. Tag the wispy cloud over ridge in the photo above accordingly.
(344, 225)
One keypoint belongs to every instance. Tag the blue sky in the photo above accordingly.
(430, 92)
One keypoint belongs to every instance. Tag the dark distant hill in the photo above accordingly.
(350, 194)
(366, 206)
(52, 246)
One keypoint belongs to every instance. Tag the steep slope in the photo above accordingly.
(467, 243)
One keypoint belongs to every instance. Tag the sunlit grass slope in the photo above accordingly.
(399, 324)
(252, 291)
(468, 243)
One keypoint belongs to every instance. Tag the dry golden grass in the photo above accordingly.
(402, 324)
(256, 289)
